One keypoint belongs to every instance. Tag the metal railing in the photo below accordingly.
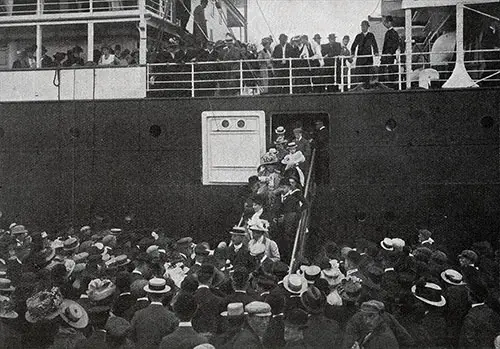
(295, 75)
(303, 226)
(162, 8)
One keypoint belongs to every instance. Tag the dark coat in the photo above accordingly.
(247, 339)
(182, 337)
(322, 332)
(151, 324)
(96, 340)
(210, 306)
(278, 55)
(122, 304)
(380, 338)
(391, 45)
(329, 50)
(241, 258)
(480, 327)
(364, 44)
(138, 305)
(275, 333)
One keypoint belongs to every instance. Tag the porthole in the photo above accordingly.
(241, 123)
(225, 123)
(391, 125)
(74, 132)
(155, 131)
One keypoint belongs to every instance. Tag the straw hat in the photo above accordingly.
(429, 293)
(387, 244)
(295, 284)
(100, 289)
(452, 277)
(44, 305)
(157, 285)
(233, 310)
(74, 314)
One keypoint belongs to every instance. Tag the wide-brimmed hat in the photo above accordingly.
(295, 284)
(280, 130)
(268, 159)
(452, 277)
(313, 300)
(71, 244)
(6, 285)
(429, 293)
(18, 229)
(234, 310)
(157, 285)
(44, 305)
(387, 244)
(7, 308)
(99, 289)
(74, 314)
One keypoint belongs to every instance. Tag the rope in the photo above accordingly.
(265, 19)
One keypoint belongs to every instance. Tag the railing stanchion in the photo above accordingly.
(290, 78)
(192, 79)
(342, 75)
(400, 82)
(241, 77)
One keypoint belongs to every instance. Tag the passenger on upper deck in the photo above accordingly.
(281, 52)
(200, 24)
(364, 45)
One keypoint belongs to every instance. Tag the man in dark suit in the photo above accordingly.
(184, 308)
(481, 324)
(321, 143)
(364, 45)
(239, 281)
(140, 296)
(206, 319)
(237, 251)
(125, 300)
(330, 53)
(151, 324)
(391, 45)
(281, 54)
(207, 72)
(98, 317)
(259, 314)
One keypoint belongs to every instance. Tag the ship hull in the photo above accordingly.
(435, 164)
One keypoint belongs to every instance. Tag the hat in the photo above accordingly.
(238, 231)
(257, 249)
(115, 231)
(44, 305)
(280, 130)
(185, 240)
(387, 244)
(201, 249)
(99, 289)
(119, 261)
(312, 273)
(268, 159)
(330, 36)
(117, 327)
(157, 285)
(291, 145)
(79, 257)
(85, 227)
(470, 255)
(258, 227)
(372, 307)
(317, 36)
(313, 300)
(18, 229)
(108, 239)
(295, 284)
(71, 244)
(333, 274)
(425, 233)
(266, 40)
(452, 277)
(152, 249)
(296, 318)
(429, 292)
(398, 243)
(74, 314)
(7, 308)
(234, 309)
(257, 308)
(350, 288)
(365, 22)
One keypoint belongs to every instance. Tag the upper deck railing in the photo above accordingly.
(12, 10)
(295, 75)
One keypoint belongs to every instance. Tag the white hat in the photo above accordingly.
(387, 244)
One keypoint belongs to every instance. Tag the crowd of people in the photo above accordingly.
(105, 56)
(102, 287)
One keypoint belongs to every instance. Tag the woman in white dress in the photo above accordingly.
(265, 65)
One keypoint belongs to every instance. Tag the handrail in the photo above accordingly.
(304, 218)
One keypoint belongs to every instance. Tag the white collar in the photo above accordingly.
(429, 240)
(143, 299)
(135, 271)
(157, 303)
(125, 294)
(476, 305)
(185, 324)
(322, 127)
(84, 296)
(240, 291)
(203, 286)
